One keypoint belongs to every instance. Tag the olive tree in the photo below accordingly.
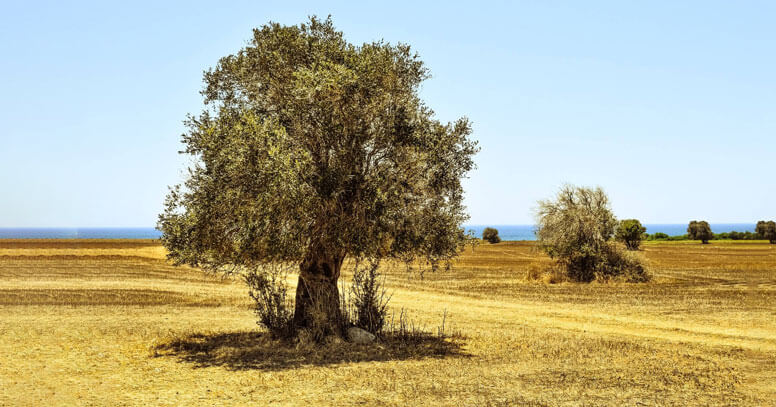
(699, 230)
(630, 232)
(576, 228)
(490, 235)
(309, 150)
(766, 230)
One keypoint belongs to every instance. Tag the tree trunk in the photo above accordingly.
(317, 305)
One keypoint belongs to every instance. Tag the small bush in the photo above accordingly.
(471, 240)
(546, 273)
(555, 276)
(619, 264)
(368, 300)
(267, 287)
(491, 235)
(534, 273)
(405, 330)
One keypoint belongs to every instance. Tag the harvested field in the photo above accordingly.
(112, 323)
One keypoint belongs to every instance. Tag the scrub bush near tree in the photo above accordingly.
(576, 229)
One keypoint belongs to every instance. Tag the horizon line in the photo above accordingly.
(465, 224)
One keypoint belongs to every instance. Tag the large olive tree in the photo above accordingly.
(309, 150)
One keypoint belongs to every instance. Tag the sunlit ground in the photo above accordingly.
(111, 323)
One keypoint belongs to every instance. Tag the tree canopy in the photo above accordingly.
(490, 235)
(700, 230)
(311, 149)
(766, 230)
(630, 232)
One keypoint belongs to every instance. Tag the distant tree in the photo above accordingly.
(576, 228)
(660, 236)
(766, 230)
(700, 230)
(309, 150)
(490, 235)
(630, 232)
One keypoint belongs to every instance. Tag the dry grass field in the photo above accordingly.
(111, 323)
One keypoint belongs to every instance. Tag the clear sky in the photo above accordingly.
(670, 106)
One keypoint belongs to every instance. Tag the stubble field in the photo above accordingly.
(112, 323)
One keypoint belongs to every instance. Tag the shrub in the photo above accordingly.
(766, 230)
(630, 232)
(268, 288)
(575, 229)
(619, 264)
(368, 300)
(490, 235)
(700, 231)
(552, 273)
(660, 236)
(472, 241)
(534, 272)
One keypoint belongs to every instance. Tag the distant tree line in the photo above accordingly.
(765, 230)
(631, 233)
(659, 236)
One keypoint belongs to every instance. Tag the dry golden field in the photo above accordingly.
(111, 323)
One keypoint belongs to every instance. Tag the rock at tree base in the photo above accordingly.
(360, 336)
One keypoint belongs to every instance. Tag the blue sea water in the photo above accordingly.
(506, 232)
(526, 232)
(79, 233)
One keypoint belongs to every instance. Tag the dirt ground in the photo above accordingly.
(91, 323)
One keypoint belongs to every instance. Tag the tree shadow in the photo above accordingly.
(249, 350)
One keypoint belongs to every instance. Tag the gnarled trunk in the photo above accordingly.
(317, 298)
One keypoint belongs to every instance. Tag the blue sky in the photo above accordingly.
(669, 106)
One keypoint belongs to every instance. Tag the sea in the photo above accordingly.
(526, 232)
(506, 232)
(79, 233)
